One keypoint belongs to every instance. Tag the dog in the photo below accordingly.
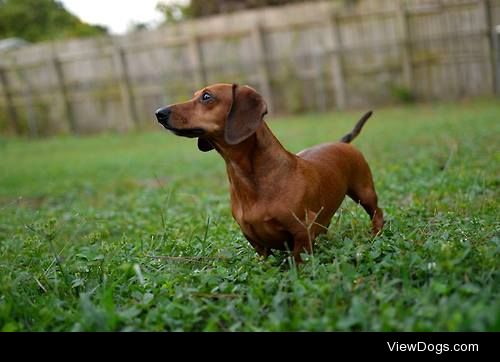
(280, 200)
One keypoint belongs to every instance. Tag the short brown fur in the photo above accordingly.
(279, 199)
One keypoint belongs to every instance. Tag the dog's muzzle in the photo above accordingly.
(163, 116)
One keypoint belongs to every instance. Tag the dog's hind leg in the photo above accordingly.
(365, 195)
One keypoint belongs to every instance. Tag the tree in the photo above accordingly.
(199, 8)
(38, 20)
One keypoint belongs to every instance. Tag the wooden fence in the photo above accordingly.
(306, 57)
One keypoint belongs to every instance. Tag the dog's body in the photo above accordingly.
(280, 200)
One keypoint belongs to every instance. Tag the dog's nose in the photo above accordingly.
(163, 114)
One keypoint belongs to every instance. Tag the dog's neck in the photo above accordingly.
(252, 163)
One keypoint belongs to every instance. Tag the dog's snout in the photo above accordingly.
(163, 114)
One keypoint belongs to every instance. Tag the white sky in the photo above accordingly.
(115, 14)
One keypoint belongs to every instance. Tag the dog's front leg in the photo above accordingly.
(302, 242)
(261, 250)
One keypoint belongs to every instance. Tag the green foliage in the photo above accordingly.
(39, 20)
(402, 94)
(176, 11)
(134, 232)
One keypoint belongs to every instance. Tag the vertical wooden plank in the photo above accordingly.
(452, 70)
(30, 111)
(405, 44)
(28, 95)
(496, 50)
(493, 39)
(334, 40)
(11, 109)
(63, 94)
(262, 67)
(466, 87)
(319, 84)
(200, 77)
(126, 91)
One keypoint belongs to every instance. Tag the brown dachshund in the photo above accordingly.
(280, 200)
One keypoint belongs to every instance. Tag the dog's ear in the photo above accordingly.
(204, 145)
(245, 116)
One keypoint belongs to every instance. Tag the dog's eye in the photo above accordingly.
(206, 96)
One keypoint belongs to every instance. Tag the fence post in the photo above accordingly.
(496, 59)
(126, 91)
(63, 91)
(319, 82)
(494, 45)
(11, 109)
(32, 122)
(405, 43)
(262, 66)
(200, 77)
(336, 61)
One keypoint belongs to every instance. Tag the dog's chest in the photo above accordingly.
(258, 225)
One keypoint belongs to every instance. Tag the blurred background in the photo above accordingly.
(130, 229)
(90, 66)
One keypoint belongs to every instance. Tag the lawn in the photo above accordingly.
(134, 232)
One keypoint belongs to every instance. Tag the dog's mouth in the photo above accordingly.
(186, 132)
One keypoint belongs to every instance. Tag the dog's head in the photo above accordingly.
(221, 112)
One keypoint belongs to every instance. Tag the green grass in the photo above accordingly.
(134, 232)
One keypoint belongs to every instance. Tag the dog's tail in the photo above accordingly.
(357, 128)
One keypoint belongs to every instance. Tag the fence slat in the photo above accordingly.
(126, 91)
(336, 61)
(262, 66)
(64, 95)
(405, 41)
(200, 77)
(493, 39)
(11, 110)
